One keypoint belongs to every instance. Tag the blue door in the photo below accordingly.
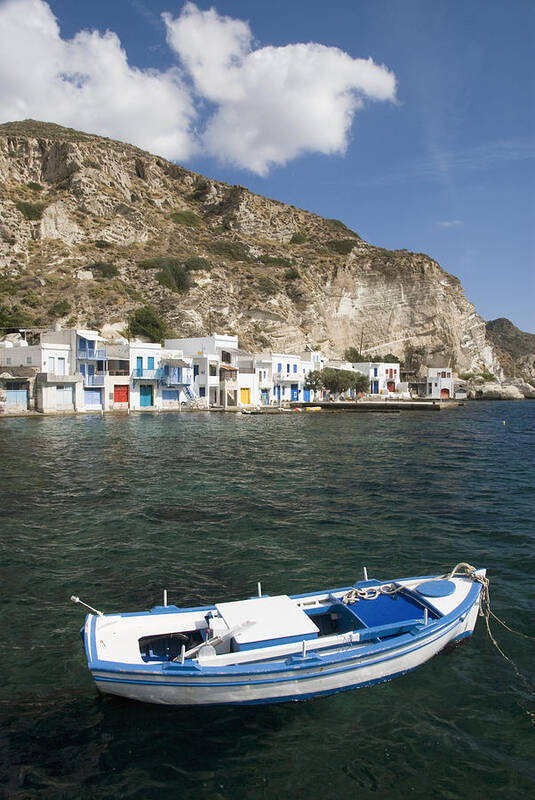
(294, 392)
(265, 397)
(306, 395)
(17, 397)
(146, 395)
(375, 387)
(92, 398)
(139, 366)
(90, 375)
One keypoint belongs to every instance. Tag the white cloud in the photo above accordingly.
(265, 105)
(450, 223)
(273, 103)
(87, 83)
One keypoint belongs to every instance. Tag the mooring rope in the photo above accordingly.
(461, 569)
(369, 592)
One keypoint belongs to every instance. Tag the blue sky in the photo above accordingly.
(433, 152)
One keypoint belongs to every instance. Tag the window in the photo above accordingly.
(202, 391)
(375, 372)
(8, 361)
(225, 357)
(195, 371)
(150, 362)
(28, 359)
(51, 364)
(279, 367)
(212, 370)
(61, 366)
(287, 368)
(295, 367)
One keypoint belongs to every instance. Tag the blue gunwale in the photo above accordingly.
(358, 655)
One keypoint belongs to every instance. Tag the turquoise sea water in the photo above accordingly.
(116, 508)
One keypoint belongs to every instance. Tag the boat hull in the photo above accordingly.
(307, 678)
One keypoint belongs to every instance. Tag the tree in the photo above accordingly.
(390, 358)
(146, 322)
(360, 382)
(314, 381)
(353, 355)
(337, 381)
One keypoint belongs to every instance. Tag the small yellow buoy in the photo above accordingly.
(503, 422)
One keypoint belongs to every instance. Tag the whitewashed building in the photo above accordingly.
(223, 374)
(384, 377)
(440, 383)
(144, 376)
(58, 384)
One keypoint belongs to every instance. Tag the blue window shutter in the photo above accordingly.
(150, 362)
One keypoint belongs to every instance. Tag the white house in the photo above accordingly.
(440, 383)
(87, 359)
(223, 375)
(384, 377)
(159, 378)
(59, 385)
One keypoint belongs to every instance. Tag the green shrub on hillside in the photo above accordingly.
(235, 251)
(298, 238)
(337, 225)
(266, 286)
(185, 218)
(276, 261)
(102, 244)
(197, 262)
(60, 309)
(341, 246)
(31, 299)
(31, 211)
(13, 317)
(35, 187)
(175, 277)
(291, 274)
(146, 322)
(104, 269)
(160, 262)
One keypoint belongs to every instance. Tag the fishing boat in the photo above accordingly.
(270, 649)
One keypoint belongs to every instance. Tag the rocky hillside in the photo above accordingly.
(516, 349)
(91, 229)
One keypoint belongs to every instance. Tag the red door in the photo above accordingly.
(444, 394)
(391, 386)
(120, 393)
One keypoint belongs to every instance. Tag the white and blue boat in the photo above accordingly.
(277, 649)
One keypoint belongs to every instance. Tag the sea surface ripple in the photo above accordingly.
(115, 508)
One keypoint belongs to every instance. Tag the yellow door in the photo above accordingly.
(245, 397)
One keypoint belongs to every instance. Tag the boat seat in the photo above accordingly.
(387, 609)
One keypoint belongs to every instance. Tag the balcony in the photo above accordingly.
(141, 373)
(94, 380)
(92, 355)
(175, 378)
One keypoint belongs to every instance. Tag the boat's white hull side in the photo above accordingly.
(180, 690)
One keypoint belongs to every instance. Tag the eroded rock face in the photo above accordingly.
(278, 276)
(56, 224)
(498, 391)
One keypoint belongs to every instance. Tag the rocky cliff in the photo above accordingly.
(91, 229)
(515, 348)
